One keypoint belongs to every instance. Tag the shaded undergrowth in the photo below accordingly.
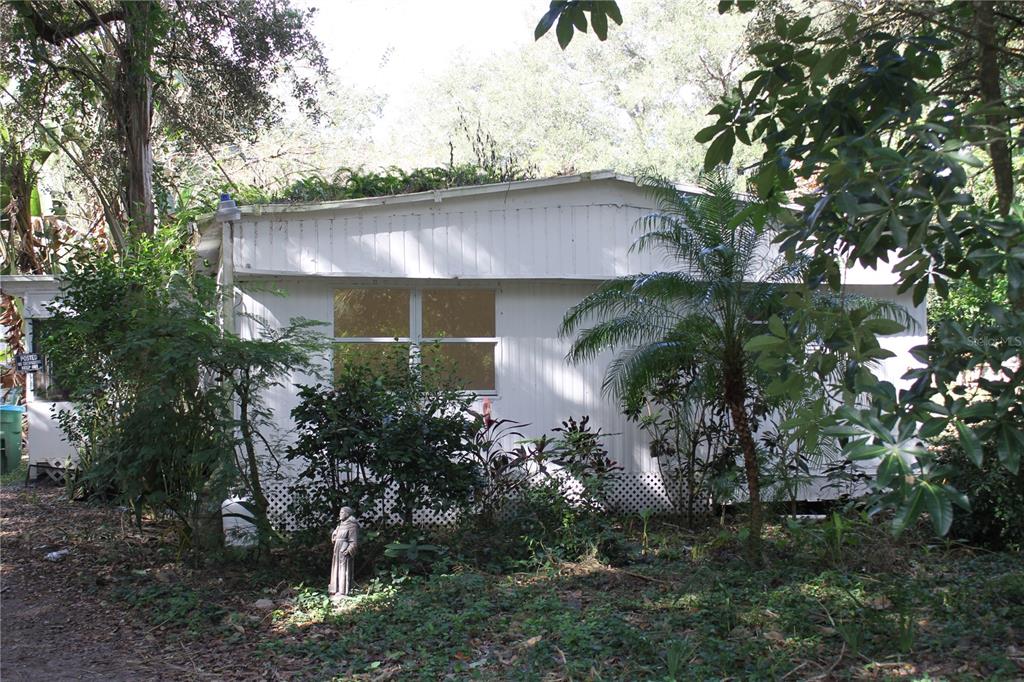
(842, 601)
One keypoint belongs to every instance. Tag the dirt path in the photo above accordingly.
(54, 625)
(59, 620)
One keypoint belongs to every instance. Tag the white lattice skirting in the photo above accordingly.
(629, 494)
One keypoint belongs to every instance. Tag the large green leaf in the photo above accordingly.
(579, 19)
(35, 203)
(705, 135)
(611, 8)
(564, 30)
(764, 342)
(884, 327)
(969, 442)
(599, 20)
(933, 427)
(908, 512)
(1009, 445)
(939, 506)
(863, 451)
(720, 150)
(546, 21)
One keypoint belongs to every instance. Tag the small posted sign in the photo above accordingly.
(28, 362)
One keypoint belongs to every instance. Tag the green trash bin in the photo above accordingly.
(10, 436)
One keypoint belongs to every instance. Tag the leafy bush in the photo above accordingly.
(128, 339)
(690, 438)
(996, 517)
(506, 472)
(156, 384)
(386, 441)
(489, 166)
(542, 500)
(356, 183)
(579, 452)
(584, 473)
(539, 526)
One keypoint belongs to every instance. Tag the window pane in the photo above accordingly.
(371, 312)
(379, 357)
(472, 364)
(458, 312)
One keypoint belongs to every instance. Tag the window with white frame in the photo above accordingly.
(456, 326)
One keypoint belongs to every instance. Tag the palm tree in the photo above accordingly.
(725, 284)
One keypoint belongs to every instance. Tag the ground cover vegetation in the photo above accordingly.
(847, 602)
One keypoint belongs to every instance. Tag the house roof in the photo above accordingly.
(19, 285)
(437, 196)
(209, 239)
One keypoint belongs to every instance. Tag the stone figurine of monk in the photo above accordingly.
(346, 540)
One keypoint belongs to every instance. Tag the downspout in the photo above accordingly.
(227, 214)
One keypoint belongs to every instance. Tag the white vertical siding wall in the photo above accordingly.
(543, 250)
(534, 383)
(576, 233)
(582, 231)
(274, 304)
(537, 385)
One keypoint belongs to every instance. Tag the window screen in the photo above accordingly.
(371, 313)
(452, 327)
(458, 313)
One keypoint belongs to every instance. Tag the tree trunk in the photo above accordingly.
(691, 482)
(998, 133)
(136, 112)
(735, 399)
(13, 325)
(260, 504)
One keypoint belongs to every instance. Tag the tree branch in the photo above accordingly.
(55, 35)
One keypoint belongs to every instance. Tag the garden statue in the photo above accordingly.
(346, 540)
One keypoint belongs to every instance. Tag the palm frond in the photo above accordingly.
(617, 333)
(723, 275)
(664, 292)
(637, 369)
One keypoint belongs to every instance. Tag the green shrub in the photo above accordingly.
(996, 518)
(128, 338)
(356, 183)
(539, 526)
(579, 451)
(506, 462)
(385, 440)
(166, 405)
(691, 439)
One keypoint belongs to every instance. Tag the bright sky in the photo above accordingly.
(391, 45)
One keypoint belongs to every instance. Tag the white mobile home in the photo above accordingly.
(488, 271)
